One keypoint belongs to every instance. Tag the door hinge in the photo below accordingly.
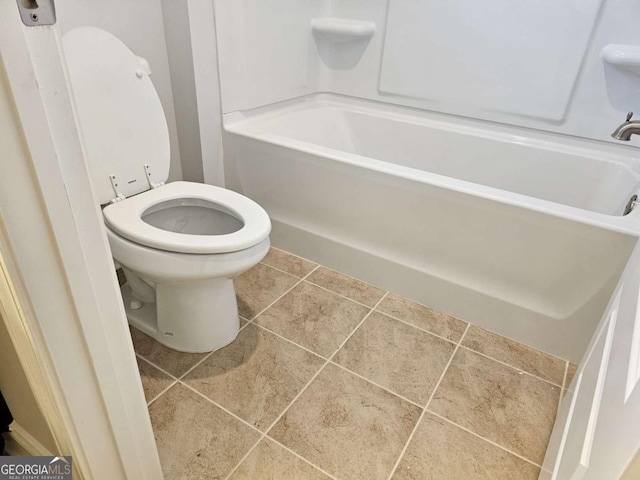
(37, 12)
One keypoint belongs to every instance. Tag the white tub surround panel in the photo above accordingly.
(488, 55)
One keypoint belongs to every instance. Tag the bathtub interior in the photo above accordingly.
(584, 178)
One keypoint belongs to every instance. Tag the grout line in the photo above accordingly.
(447, 367)
(161, 393)
(288, 273)
(296, 397)
(483, 439)
(352, 278)
(211, 353)
(292, 287)
(519, 370)
(376, 384)
(299, 456)
(253, 427)
(372, 309)
(289, 341)
(156, 366)
(173, 378)
(564, 384)
(339, 294)
(320, 370)
(306, 280)
(415, 427)
(244, 457)
(293, 255)
(242, 327)
(196, 365)
(420, 328)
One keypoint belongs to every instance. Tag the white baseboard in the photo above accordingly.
(21, 442)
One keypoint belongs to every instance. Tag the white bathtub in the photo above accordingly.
(521, 233)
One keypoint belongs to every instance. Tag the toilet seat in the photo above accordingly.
(125, 219)
(123, 124)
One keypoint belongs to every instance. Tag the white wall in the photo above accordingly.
(264, 50)
(263, 60)
(180, 57)
(140, 25)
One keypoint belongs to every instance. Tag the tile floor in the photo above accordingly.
(333, 378)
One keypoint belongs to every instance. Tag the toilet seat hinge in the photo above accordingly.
(114, 184)
(152, 184)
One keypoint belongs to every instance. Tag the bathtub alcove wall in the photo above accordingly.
(456, 154)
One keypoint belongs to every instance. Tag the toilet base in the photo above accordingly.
(194, 318)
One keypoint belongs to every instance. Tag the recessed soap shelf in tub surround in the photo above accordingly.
(623, 56)
(338, 30)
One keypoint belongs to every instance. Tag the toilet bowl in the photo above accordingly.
(179, 243)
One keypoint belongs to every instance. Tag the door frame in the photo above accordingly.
(73, 333)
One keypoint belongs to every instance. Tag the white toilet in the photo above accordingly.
(180, 243)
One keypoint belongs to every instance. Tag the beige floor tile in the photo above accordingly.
(171, 361)
(153, 380)
(256, 376)
(515, 354)
(259, 287)
(347, 286)
(314, 318)
(269, 461)
(296, 266)
(441, 451)
(197, 440)
(571, 372)
(424, 317)
(497, 402)
(396, 356)
(347, 426)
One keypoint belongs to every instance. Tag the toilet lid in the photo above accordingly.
(129, 219)
(120, 114)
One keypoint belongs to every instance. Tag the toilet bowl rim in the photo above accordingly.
(124, 218)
